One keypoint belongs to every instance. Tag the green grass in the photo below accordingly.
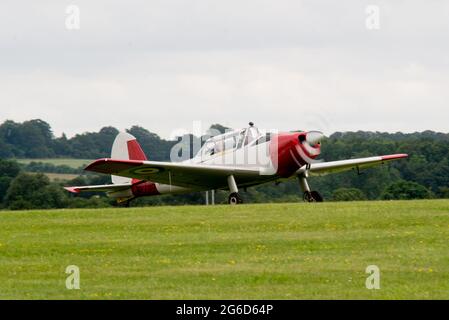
(73, 163)
(266, 251)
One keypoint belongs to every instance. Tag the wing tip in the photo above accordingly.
(93, 164)
(72, 189)
(112, 166)
(395, 156)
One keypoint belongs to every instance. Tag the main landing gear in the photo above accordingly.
(309, 195)
(312, 196)
(234, 197)
(124, 202)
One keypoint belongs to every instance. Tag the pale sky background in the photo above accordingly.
(282, 64)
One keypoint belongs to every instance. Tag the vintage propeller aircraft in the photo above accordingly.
(229, 161)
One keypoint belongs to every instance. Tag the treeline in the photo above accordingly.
(36, 166)
(424, 175)
(35, 139)
(428, 163)
(25, 190)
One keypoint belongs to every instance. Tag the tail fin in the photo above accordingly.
(126, 147)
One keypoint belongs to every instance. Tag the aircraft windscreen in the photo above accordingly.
(251, 135)
(228, 141)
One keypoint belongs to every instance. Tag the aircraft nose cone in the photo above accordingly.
(309, 147)
(314, 137)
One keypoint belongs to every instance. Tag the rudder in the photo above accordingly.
(126, 147)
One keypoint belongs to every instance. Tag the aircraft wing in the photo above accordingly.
(99, 188)
(175, 173)
(345, 165)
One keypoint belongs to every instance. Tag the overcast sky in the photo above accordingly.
(282, 64)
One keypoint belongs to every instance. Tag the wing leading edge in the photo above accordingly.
(345, 165)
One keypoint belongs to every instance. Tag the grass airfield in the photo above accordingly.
(259, 251)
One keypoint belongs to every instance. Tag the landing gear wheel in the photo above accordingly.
(312, 196)
(234, 198)
(124, 203)
(308, 197)
(317, 196)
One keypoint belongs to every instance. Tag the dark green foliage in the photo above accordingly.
(34, 191)
(20, 190)
(9, 168)
(428, 164)
(29, 139)
(348, 194)
(444, 192)
(50, 168)
(8, 171)
(406, 190)
(4, 185)
(91, 145)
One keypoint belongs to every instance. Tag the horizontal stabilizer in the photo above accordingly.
(99, 188)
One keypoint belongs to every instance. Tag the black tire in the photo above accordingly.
(312, 196)
(124, 204)
(308, 197)
(317, 196)
(234, 198)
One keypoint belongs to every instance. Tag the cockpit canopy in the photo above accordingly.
(228, 141)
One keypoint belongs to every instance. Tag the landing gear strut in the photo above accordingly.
(234, 197)
(309, 195)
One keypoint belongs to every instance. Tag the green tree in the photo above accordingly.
(30, 139)
(93, 145)
(34, 191)
(444, 192)
(9, 169)
(405, 190)
(348, 194)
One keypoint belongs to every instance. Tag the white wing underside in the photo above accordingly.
(322, 168)
(100, 188)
